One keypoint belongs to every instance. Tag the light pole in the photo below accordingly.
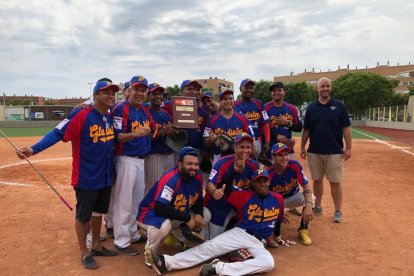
(90, 89)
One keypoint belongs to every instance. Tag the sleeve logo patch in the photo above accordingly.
(167, 193)
(62, 124)
(212, 174)
(117, 122)
(265, 116)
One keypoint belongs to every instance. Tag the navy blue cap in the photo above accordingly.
(102, 85)
(186, 151)
(246, 81)
(207, 94)
(260, 173)
(138, 80)
(242, 136)
(154, 86)
(278, 148)
(188, 82)
(226, 91)
(126, 84)
(277, 84)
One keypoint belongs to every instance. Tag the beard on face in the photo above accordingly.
(187, 174)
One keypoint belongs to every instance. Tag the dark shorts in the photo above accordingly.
(88, 201)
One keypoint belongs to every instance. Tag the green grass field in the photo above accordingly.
(31, 131)
(25, 131)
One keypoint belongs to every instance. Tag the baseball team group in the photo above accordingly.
(223, 193)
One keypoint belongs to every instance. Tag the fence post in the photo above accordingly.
(396, 114)
(405, 113)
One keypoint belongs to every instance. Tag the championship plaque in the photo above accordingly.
(184, 111)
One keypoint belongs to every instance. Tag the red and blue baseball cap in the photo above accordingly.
(155, 86)
(138, 80)
(186, 151)
(279, 148)
(188, 82)
(260, 173)
(277, 84)
(246, 81)
(207, 94)
(226, 91)
(242, 136)
(104, 84)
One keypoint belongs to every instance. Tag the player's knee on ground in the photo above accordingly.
(268, 261)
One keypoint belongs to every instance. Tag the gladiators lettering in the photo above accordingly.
(193, 199)
(230, 132)
(243, 184)
(98, 133)
(252, 116)
(180, 202)
(284, 189)
(255, 212)
(273, 119)
(135, 125)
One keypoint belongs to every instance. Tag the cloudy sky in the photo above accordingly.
(54, 48)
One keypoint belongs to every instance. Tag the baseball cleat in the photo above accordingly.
(129, 250)
(303, 236)
(209, 269)
(158, 264)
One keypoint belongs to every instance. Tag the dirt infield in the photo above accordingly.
(37, 233)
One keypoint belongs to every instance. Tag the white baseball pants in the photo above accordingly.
(128, 193)
(231, 240)
(297, 200)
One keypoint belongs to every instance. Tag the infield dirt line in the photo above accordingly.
(385, 143)
(34, 161)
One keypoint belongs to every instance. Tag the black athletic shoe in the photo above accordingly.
(209, 269)
(110, 233)
(129, 250)
(158, 264)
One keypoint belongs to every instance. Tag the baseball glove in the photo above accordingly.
(190, 234)
(177, 140)
(262, 158)
(224, 142)
(240, 255)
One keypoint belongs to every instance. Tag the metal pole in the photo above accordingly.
(90, 89)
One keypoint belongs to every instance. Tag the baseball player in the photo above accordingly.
(254, 111)
(286, 176)
(227, 121)
(133, 125)
(220, 210)
(177, 197)
(258, 212)
(283, 117)
(91, 132)
(161, 156)
(209, 103)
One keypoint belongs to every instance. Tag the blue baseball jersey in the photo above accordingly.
(289, 112)
(128, 119)
(92, 137)
(236, 124)
(325, 123)
(223, 167)
(287, 184)
(158, 145)
(173, 190)
(254, 111)
(257, 214)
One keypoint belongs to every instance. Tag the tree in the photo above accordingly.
(411, 88)
(173, 91)
(298, 94)
(261, 91)
(362, 90)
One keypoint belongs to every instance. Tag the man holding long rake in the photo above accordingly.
(91, 132)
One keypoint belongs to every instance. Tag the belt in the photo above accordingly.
(137, 156)
(262, 240)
